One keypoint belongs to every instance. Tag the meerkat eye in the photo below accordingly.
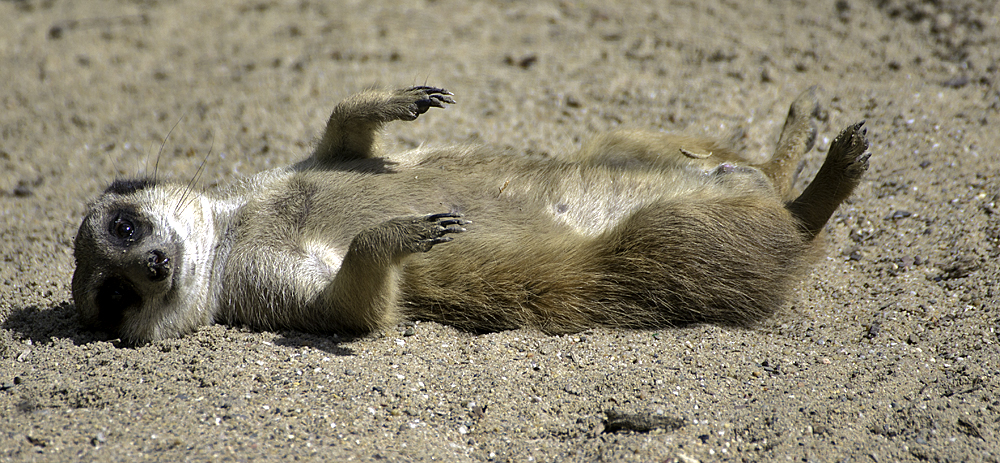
(123, 228)
(126, 226)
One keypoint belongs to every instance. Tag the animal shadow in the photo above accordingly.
(42, 325)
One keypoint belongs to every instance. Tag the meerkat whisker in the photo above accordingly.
(194, 178)
(159, 153)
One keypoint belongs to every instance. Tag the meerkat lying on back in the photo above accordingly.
(635, 230)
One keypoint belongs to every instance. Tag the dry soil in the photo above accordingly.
(889, 351)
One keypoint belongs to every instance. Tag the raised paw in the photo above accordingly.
(415, 101)
(850, 149)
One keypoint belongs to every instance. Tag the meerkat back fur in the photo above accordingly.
(634, 230)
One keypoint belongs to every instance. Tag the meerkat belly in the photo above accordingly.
(592, 201)
(503, 194)
(322, 211)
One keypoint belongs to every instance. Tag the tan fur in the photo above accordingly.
(635, 230)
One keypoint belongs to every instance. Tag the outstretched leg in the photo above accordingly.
(845, 163)
(354, 124)
(797, 138)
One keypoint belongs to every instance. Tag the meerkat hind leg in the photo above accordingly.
(797, 137)
(354, 124)
(841, 172)
(656, 259)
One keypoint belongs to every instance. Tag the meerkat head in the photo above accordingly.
(143, 261)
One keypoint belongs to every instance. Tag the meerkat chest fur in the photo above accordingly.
(634, 230)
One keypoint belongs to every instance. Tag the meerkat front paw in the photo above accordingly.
(412, 234)
(430, 230)
(412, 102)
(396, 238)
(850, 150)
(352, 130)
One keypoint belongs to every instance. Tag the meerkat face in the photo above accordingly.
(143, 261)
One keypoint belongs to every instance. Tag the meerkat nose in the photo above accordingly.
(158, 264)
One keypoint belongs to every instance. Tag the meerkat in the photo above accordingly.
(635, 230)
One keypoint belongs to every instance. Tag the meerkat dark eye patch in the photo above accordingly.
(123, 228)
(124, 186)
(114, 297)
(126, 226)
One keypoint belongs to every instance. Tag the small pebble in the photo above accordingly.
(899, 215)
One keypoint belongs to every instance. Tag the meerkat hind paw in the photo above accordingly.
(852, 147)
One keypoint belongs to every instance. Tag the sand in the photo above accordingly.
(888, 352)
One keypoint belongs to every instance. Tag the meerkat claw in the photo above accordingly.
(432, 97)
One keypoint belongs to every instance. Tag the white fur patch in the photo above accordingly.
(325, 259)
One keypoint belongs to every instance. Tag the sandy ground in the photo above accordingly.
(889, 351)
